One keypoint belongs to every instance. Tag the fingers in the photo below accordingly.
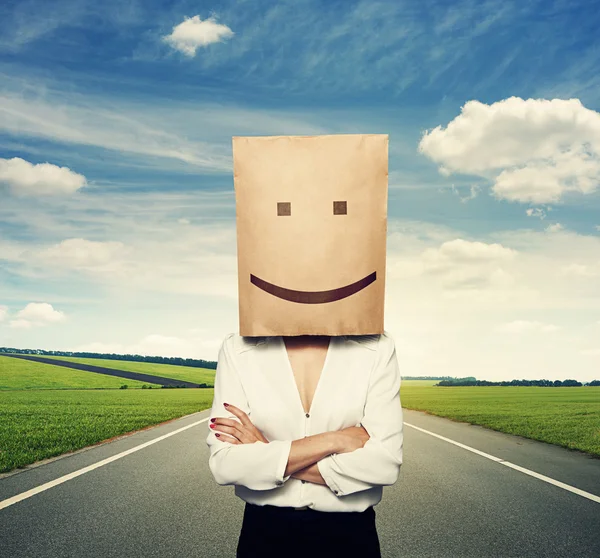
(236, 430)
(244, 430)
(224, 421)
(252, 432)
(244, 433)
(238, 413)
(226, 438)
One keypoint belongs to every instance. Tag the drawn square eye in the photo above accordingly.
(284, 208)
(339, 208)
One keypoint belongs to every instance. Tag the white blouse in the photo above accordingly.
(359, 384)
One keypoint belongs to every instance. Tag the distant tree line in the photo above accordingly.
(428, 378)
(539, 383)
(449, 381)
(195, 362)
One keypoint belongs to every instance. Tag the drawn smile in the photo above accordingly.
(312, 297)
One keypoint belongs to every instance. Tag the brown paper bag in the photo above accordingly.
(311, 216)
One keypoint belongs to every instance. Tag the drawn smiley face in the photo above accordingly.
(340, 207)
(311, 217)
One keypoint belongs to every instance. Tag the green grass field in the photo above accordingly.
(40, 424)
(564, 416)
(25, 374)
(49, 410)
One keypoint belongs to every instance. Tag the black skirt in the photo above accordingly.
(272, 531)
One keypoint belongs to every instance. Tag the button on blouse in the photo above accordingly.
(359, 385)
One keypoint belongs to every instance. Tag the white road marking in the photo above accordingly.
(544, 478)
(65, 478)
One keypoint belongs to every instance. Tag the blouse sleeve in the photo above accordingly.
(378, 462)
(258, 466)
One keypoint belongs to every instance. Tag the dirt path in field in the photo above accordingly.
(148, 378)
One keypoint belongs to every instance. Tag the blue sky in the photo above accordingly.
(117, 215)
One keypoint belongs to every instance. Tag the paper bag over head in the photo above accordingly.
(311, 215)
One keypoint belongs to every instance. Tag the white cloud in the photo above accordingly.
(582, 270)
(523, 326)
(153, 253)
(473, 191)
(554, 227)
(27, 179)
(535, 150)
(444, 325)
(521, 270)
(180, 136)
(458, 264)
(88, 121)
(199, 259)
(37, 314)
(463, 251)
(591, 352)
(547, 181)
(79, 253)
(536, 212)
(3, 312)
(194, 32)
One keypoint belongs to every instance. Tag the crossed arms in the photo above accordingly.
(347, 461)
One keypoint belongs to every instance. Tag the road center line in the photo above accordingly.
(529, 472)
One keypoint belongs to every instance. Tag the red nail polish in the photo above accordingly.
(212, 420)
(217, 434)
(212, 425)
(226, 404)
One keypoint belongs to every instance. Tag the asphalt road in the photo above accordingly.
(148, 378)
(450, 501)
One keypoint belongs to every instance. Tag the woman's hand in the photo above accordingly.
(243, 432)
(351, 438)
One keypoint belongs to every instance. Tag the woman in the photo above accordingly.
(308, 429)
